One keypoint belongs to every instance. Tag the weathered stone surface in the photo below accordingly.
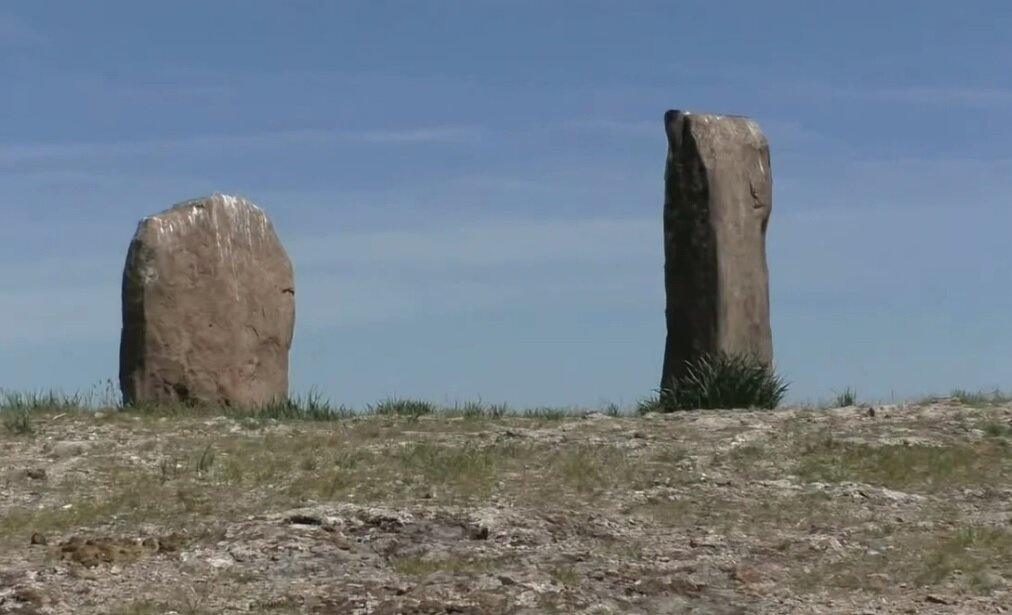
(718, 196)
(208, 306)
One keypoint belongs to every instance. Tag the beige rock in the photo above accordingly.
(718, 196)
(208, 306)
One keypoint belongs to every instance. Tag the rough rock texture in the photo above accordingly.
(208, 306)
(718, 195)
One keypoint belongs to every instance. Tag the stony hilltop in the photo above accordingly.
(862, 509)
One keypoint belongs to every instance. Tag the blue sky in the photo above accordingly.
(471, 190)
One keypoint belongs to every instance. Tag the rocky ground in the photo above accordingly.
(884, 509)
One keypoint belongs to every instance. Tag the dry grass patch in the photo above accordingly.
(980, 399)
(970, 551)
(151, 607)
(770, 512)
(18, 422)
(906, 467)
(197, 473)
(750, 462)
(565, 575)
(418, 566)
(138, 498)
(589, 468)
(975, 558)
(994, 428)
(454, 473)
(531, 472)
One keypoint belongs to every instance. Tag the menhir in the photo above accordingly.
(208, 306)
(718, 196)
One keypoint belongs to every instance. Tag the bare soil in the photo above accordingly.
(884, 509)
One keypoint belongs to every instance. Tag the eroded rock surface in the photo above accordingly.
(718, 196)
(208, 306)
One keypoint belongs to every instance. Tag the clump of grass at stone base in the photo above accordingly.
(720, 381)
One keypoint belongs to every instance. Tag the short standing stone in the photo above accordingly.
(208, 306)
(718, 196)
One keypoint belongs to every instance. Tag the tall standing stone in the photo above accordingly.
(718, 196)
(208, 306)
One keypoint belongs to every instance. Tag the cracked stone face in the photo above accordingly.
(208, 306)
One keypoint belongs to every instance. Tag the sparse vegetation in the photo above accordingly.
(720, 381)
(845, 398)
(477, 410)
(311, 407)
(997, 429)
(980, 399)
(40, 401)
(424, 566)
(21, 412)
(421, 495)
(898, 466)
(18, 421)
(403, 407)
(971, 551)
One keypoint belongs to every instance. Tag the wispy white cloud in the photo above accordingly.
(59, 314)
(945, 95)
(13, 153)
(488, 244)
(53, 179)
(372, 295)
(43, 273)
(440, 134)
(354, 278)
(15, 31)
(940, 95)
(624, 128)
(784, 134)
(878, 182)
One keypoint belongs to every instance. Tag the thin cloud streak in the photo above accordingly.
(375, 276)
(780, 132)
(19, 153)
(507, 243)
(638, 129)
(953, 95)
(446, 134)
(68, 314)
(945, 95)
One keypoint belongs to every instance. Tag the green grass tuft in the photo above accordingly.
(40, 401)
(402, 407)
(19, 409)
(312, 407)
(18, 422)
(477, 410)
(845, 398)
(720, 381)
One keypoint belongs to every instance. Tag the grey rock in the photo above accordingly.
(208, 306)
(718, 197)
